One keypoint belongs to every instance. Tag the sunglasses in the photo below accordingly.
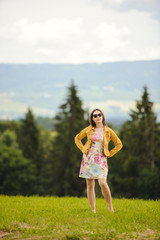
(97, 115)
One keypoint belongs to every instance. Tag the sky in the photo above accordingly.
(79, 31)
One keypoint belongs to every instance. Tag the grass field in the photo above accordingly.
(71, 218)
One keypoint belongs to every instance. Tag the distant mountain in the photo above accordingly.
(112, 86)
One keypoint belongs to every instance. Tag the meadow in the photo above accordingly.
(71, 218)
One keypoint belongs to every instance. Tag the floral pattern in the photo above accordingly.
(94, 163)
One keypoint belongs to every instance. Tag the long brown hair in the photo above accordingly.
(91, 117)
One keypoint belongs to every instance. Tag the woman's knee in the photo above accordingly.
(90, 184)
(102, 183)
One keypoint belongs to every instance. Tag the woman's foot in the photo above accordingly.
(110, 209)
(94, 210)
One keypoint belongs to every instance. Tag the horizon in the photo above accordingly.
(43, 87)
(85, 63)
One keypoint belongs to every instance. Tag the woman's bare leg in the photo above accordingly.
(106, 193)
(91, 193)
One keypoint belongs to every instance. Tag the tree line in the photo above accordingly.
(37, 160)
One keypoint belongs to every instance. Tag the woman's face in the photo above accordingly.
(97, 117)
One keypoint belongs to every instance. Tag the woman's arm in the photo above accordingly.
(117, 142)
(79, 137)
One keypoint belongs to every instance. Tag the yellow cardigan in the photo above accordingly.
(109, 134)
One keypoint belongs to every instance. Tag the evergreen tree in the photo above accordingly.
(29, 141)
(29, 136)
(46, 138)
(139, 176)
(65, 156)
(144, 121)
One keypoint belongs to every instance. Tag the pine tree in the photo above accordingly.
(144, 121)
(65, 155)
(29, 135)
(140, 168)
(29, 142)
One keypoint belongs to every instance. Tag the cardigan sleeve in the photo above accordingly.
(117, 142)
(79, 137)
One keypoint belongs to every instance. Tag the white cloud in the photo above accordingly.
(39, 33)
(77, 32)
(106, 31)
(111, 37)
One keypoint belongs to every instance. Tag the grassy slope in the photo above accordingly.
(71, 218)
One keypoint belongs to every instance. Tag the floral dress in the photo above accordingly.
(94, 163)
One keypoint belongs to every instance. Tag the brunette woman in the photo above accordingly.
(95, 153)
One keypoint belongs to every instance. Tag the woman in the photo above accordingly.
(95, 153)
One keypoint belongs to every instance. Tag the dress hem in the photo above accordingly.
(92, 178)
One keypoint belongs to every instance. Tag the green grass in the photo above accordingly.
(71, 218)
